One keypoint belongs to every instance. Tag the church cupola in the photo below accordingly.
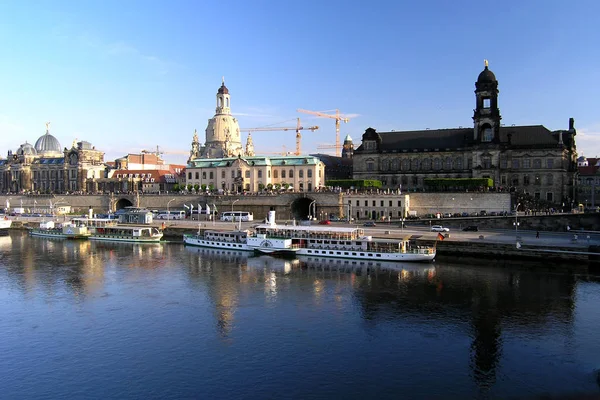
(223, 106)
(486, 117)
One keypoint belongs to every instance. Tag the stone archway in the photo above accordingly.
(300, 208)
(122, 203)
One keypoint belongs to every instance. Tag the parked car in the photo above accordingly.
(439, 228)
(471, 228)
(369, 223)
(325, 222)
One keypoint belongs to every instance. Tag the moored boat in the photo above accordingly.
(65, 230)
(326, 241)
(5, 225)
(110, 230)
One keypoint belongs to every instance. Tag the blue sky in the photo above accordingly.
(129, 75)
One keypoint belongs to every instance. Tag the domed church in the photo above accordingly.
(223, 130)
(528, 159)
(46, 168)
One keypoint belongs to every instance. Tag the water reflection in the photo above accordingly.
(448, 301)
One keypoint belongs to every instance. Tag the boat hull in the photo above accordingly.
(5, 225)
(59, 234)
(124, 238)
(368, 255)
(193, 240)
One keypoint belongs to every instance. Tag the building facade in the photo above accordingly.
(46, 168)
(527, 159)
(588, 182)
(254, 174)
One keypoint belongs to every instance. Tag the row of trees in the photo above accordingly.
(210, 188)
(355, 183)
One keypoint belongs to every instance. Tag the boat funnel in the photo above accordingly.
(91, 213)
(271, 218)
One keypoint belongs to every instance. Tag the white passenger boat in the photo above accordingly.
(5, 225)
(325, 241)
(109, 230)
(66, 230)
(230, 240)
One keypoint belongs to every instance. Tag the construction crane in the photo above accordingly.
(298, 128)
(338, 118)
(159, 152)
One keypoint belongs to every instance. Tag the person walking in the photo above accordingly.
(537, 234)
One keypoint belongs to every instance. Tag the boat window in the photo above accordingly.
(345, 253)
(362, 254)
(378, 255)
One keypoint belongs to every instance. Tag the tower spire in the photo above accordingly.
(485, 62)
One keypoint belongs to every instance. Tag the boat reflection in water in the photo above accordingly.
(288, 265)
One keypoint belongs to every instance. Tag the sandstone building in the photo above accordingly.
(46, 168)
(528, 159)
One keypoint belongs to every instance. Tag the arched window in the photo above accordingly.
(309, 173)
(260, 173)
(448, 163)
(227, 102)
(247, 173)
(458, 163)
(385, 165)
(415, 164)
(275, 174)
(223, 174)
(426, 164)
(488, 134)
(219, 102)
(291, 175)
(437, 164)
(395, 165)
(406, 164)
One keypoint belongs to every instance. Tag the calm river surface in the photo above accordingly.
(165, 321)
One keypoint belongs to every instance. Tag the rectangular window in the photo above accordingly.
(503, 163)
(536, 195)
(527, 163)
(373, 203)
(203, 174)
(550, 163)
(390, 203)
(260, 173)
(503, 180)
(283, 174)
(399, 203)
(232, 174)
(486, 103)
(537, 163)
(211, 175)
(381, 203)
(549, 196)
(366, 203)
(515, 164)
(357, 203)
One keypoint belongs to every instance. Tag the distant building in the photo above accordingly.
(335, 167)
(529, 159)
(145, 172)
(253, 174)
(588, 184)
(46, 168)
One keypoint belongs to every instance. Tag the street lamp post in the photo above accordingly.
(516, 221)
(168, 213)
(232, 217)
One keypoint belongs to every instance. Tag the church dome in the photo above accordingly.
(26, 149)
(47, 144)
(486, 76)
(223, 89)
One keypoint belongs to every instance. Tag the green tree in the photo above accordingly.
(196, 187)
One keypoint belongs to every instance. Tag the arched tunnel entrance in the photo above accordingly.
(122, 203)
(301, 208)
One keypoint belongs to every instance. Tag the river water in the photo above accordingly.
(164, 321)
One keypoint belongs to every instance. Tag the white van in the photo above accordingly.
(172, 215)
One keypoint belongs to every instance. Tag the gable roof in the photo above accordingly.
(457, 138)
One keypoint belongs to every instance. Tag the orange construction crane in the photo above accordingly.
(338, 118)
(298, 128)
(159, 152)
